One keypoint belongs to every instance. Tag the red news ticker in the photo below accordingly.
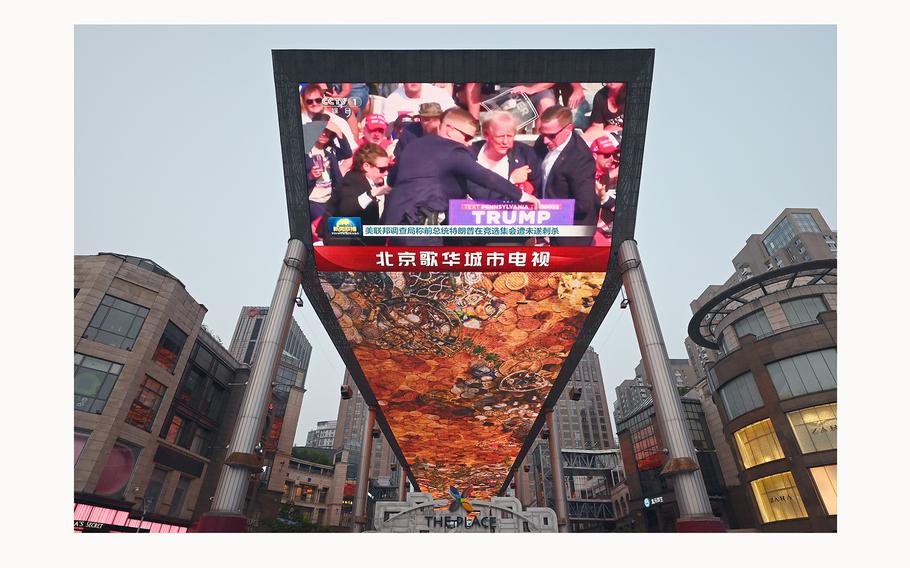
(461, 259)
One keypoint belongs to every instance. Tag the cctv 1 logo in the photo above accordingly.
(341, 105)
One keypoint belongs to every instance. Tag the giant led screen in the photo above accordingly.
(460, 234)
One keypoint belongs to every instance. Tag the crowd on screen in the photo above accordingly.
(395, 154)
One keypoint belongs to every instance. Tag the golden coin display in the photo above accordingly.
(499, 284)
(527, 310)
(541, 293)
(508, 317)
(516, 280)
(436, 349)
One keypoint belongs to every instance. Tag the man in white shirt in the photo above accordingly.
(407, 99)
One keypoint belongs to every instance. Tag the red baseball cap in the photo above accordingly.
(375, 122)
(604, 145)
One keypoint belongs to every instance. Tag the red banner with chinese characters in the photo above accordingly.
(461, 259)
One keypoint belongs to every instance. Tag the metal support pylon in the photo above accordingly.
(682, 464)
(227, 513)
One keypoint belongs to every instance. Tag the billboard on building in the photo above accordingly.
(461, 232)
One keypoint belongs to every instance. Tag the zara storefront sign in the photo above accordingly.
(653, 501)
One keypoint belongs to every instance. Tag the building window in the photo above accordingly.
(722, 343)
(805, 223)
(758, 444)
(80, 438)
(803, 374)
(695, 419)
(740, 396)
(826, 482)
(756, 324)
(779, 236)
(153, 489)
(169, 347)
(778, 498)
(116, 322)
(145, 406)
(815, 428)
(93, 381)
(187, 434)
(183, 486)
(201, 393)
(803, 310)
(118, 469)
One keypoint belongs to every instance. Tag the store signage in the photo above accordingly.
(92, 526)
(653, 501)
(452, 522)
(494, 213)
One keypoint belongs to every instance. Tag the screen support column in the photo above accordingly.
(227, 513)
(695, 513)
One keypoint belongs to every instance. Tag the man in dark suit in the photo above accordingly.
(358, 195)
(428, 117)
(436, 168)
(568, 170)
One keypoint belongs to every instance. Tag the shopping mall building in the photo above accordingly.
(774, 382)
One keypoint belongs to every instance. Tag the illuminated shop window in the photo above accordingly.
(778, 498)
(815, 428)
(145, 406)
(803, 310)
(826, 482)
(804, 374)
(93, 382)
(758, 444)
(169, 347)
(116, 322)
(740, 396)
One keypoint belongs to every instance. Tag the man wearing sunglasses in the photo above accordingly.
(436, 168)
(311, 105)
(568, 170)
(360, 193)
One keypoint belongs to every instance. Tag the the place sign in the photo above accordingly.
(452, 522)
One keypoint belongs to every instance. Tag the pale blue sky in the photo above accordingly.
(178, 156)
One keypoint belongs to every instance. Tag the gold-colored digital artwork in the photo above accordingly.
(461, 363)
